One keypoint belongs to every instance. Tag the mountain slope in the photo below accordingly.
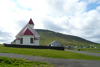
(48, 36)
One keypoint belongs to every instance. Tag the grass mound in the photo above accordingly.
(13, 62)
(47, 53)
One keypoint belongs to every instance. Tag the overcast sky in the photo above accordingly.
(73, 17)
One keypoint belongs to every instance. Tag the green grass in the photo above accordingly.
(47, 53)
(13, 62)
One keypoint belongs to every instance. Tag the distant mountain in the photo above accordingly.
(48, 36)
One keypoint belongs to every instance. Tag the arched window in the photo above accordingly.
(21, 41)
(31, 40)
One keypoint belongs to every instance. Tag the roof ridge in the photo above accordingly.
(27, 32)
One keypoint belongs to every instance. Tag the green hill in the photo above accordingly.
(48, 36)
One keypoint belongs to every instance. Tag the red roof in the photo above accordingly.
(27, 32)
(31, 22)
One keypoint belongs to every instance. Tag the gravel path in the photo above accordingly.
(88, 53)
(56, 62)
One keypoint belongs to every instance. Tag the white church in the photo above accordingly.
(27, 36)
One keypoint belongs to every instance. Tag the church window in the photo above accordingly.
(21, 41)
(31, 40)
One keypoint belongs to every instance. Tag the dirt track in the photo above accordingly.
(87, 53)
(57, 62)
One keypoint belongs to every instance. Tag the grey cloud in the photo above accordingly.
(49, 24)
(92, 27)
(3, 40)
(96, 36)
(20, 24)
(56, 4)
(88, 32)
(6, 36)
(65, 7)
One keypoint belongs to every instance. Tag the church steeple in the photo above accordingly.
(30, 22)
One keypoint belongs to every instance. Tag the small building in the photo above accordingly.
(70, 47)
(27, 36)
(55, 43)
(76, 47)
(96, 47)
(81, 46)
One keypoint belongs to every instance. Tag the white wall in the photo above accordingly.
(36, 42)
(13, 42)
(26, 40)
(17, 41)
(32, 26)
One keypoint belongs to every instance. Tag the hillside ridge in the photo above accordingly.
(47, 36)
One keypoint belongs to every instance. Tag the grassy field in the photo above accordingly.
(13, 62)
(47, 53)
(92, 50)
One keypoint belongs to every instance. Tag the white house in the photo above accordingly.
(27, 36)
(55, 44)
